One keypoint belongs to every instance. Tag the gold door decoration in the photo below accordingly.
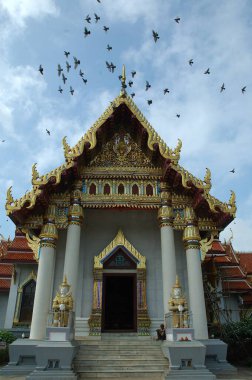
(143, 320)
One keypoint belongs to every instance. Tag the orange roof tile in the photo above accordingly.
(5, 284)
(239, 285)
(232, 272)
(246, 261)
(217, 247)
(6, 270)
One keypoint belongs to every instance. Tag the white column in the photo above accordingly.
(45, 274)
(165, 218)
(191, 239)
(71, 264)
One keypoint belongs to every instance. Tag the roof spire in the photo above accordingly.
(123, 81)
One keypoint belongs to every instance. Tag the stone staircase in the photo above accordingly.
(117, 357)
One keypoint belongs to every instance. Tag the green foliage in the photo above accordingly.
(238, 336)
(6, 336)
(234, 332)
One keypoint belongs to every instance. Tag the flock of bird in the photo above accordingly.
(112, 67)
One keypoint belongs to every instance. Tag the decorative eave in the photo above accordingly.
(154, 142)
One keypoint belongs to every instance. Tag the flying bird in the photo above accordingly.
(99, 1)
(108, 65)
(48, 132)
(97, 18)
(68, 66)
(130, 83)
(88, 19)
(71, 90)
(60, 89)
(41, 69)
(59, 70)
(109, 47)
(222, 87)
(155, 35)
(86, 32)
(133, 73)
(232, 171)
(132, 95)
(105, 28)
(147, 86)
(166, 91)
(3, 140)
(81, 73)
(113, 67)
(207, 71)
(84, 80)
(64, 78)
(66, 53)
(190, 62)
(149, 102)
(243, 90)
(177, 19)
(178, 115)
(76, 62)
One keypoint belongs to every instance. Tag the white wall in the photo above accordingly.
(3, 307)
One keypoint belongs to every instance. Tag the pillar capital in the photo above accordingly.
(191, 237)
(166, 193)
(75, 214)
(49, 234)
(165, 216)
(75, 211)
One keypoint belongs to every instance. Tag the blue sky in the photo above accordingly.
(215, 127)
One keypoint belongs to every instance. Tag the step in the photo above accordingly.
(121, 368)
(119, 362)
(112, 342)
(115, 356)
(119, 376)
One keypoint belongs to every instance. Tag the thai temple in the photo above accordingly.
(116, 223)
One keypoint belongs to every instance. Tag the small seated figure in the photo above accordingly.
(161, 334)
(62, 305)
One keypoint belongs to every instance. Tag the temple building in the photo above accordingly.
(120, 218)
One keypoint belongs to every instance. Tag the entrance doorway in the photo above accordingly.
(119, 302)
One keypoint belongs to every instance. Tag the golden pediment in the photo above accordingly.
(121, 151)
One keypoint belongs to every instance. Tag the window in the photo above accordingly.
(135, 190)
(27, 302)
(106, 189)
(92, 189)
(149, 190)
(121, 189)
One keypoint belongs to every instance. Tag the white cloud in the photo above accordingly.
(19, 11)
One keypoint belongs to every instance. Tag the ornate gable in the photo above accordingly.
(121, 145)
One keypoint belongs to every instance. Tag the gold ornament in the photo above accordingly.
(178, 306)
(62, 305)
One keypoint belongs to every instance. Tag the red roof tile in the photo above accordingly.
(217, 247)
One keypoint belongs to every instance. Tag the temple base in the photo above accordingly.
(216, 354)
(186, 360)
(41, 359)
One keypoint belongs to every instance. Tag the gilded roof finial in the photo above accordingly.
(123, 81)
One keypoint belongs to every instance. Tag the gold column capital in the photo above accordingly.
(48, 235)
(75, 211)
(165, 216)
(191, 235)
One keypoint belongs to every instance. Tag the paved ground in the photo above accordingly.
(243, 374)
